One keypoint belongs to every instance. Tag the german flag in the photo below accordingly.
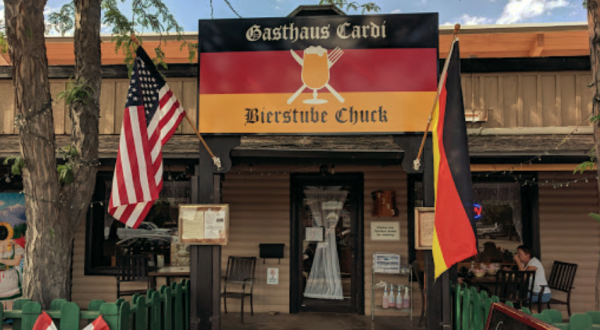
(454, 236)
(322, 78)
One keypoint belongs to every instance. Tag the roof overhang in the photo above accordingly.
(317, 156)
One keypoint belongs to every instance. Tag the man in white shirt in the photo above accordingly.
(527, 262)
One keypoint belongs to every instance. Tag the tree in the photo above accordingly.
(348, 5)
(58, 195)
(593, 9)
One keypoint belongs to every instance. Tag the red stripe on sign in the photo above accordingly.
(357, 70)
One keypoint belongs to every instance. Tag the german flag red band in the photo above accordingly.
(369, 74)
(454, 237)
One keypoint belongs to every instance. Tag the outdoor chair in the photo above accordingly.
(240, 271)
(561, 278)
(420, 276)
(130, 269)
(515, 286)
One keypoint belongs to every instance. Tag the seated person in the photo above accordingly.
(527, 262)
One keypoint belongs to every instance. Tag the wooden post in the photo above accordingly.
(434, 289)
(205, 260)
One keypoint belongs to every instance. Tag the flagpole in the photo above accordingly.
(215, 159)
(417, 161)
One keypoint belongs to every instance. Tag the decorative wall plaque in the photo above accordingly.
(424, 225)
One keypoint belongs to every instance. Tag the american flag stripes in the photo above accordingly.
(151, 116)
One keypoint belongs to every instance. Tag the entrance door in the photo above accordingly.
(326, 252)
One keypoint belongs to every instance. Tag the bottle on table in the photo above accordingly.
(399, 301)
(406, 300)
(391, 299)
(386, 301)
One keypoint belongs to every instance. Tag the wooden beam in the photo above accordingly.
(538, 46)
(525, 167)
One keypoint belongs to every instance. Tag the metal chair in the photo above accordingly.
(132, 268)
(561, 278)
(515, 286)
(240, 271)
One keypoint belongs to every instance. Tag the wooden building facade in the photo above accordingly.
(527, 85)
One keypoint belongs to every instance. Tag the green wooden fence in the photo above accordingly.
(166, 309)
(471, 310)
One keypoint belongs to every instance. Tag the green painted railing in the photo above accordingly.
(472, 308)
(166, 309)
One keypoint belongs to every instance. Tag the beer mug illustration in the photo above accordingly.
(315, 72)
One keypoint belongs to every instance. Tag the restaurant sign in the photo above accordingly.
(328, 74)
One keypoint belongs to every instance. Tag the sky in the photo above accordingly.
(466, 12)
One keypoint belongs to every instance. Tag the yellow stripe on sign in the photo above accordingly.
(369, 112)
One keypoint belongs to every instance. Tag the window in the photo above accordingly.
(106, 237)
(508, 211)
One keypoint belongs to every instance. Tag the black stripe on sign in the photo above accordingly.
(298, 33)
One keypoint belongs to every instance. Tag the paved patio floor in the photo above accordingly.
(315, 321)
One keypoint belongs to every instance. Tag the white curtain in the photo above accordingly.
(324, 281)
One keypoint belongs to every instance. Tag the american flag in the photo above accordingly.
(152, 114)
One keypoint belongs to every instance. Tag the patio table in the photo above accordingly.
(487, 282)
(169, 272)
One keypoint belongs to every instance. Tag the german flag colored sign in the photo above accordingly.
(346, 74)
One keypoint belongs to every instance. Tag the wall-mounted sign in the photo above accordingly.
(204, 224)
(385, 230)
(346, 74)
(477, 208)
(424, 225)
(314, 234)
(272, 275)
(388, 263)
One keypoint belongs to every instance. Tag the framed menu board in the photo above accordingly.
(204, 224)
(424, 223)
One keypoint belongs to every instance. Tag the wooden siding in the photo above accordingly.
(513, 99)
(112, 104)
(568, 234)
(260, 213)
(529, 99)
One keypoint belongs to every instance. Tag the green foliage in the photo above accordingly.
(594, 216)
(68, 152)
(17, 166)
(62, 20)
(65, 173)
(3, 43)
(147, 15)
(76, 91)
(368, 7)
(587, 165)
